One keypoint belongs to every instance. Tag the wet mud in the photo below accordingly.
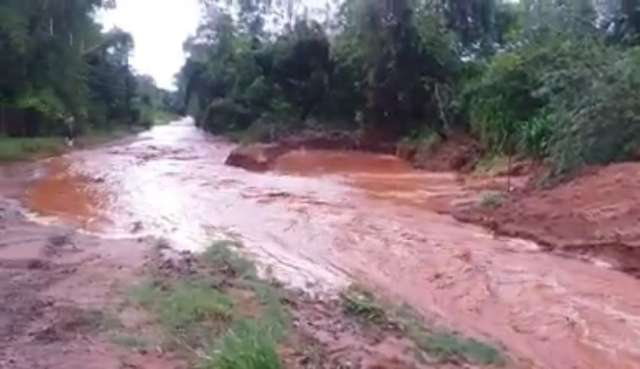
(61, 291)
(324, 219)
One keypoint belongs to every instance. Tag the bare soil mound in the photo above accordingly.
(261, 156)
(255, 157)
(458, 153)
(595, 216)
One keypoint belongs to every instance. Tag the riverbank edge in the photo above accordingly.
(28, 149)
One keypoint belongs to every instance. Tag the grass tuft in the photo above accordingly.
(438, 345)
(491, 200)
(362, 304)
(236, 324)
(222, 256)
(146, 293)
(192, 302)
(450, 347)
(248, 345)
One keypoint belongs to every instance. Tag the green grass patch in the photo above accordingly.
(185, 304)
(446, 346)
(491, 200)
(224, 258)
(249, 344)
(29, 148)
(432, 344)
(12, 149)
(236, 323)
(190, 303)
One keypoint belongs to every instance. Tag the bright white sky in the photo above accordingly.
(159, 27)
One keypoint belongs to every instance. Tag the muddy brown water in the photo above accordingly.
(322, 220)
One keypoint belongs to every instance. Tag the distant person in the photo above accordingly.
(70, 133)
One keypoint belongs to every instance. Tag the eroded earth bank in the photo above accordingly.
(319, 221)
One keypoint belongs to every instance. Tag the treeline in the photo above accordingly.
(556, 79)
(59, 71)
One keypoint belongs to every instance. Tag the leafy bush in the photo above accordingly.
(599, 120)
(502, 98)
(575, 101)
(226, 114)
(535, 135)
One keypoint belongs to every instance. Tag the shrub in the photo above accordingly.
(573, 100)
(224, 115)
(599, 119)
(534, 135)
(501, 98)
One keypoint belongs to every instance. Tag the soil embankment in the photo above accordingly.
(594, 216)
(263, 156)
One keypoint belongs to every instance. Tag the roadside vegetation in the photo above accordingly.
(216, 313)
(221, 316)
(542, 79)
(30, 148)
(432, 343)
(12, 149)
(63, 75)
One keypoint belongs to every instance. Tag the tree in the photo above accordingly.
(56, 63)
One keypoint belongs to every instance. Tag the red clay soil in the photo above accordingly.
(62, 298)
(459, 152)
(596, 215)
(260, 157)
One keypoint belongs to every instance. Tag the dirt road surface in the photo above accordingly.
(60, 290)
(325, 219)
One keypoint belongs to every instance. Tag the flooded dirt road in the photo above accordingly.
(324, 219)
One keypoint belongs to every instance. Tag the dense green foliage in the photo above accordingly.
(565, 89)
(58, 67)
(390, 67)
(551, 79)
